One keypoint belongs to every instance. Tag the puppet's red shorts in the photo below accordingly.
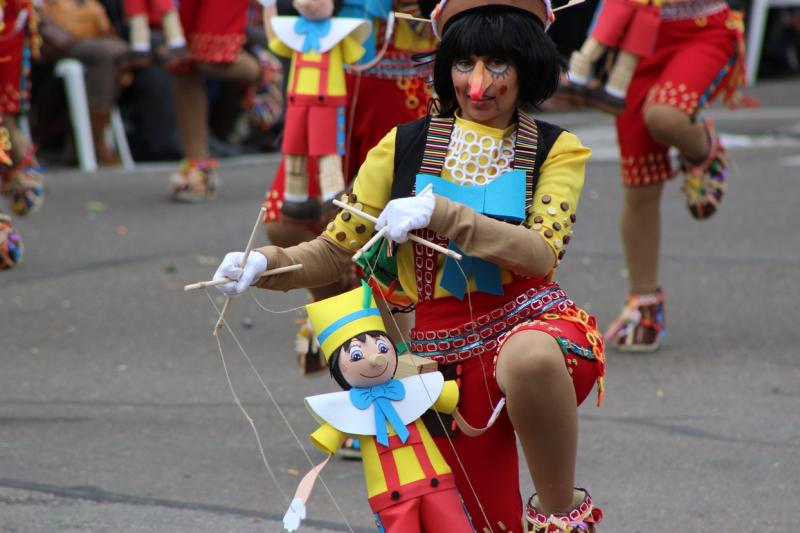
(313, 130)
(628, 25)
(214, 28)
(12, 44)
(490, 460)
(440, 510)
(692, 62)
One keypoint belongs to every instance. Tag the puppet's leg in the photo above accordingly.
(173, 32)
(611, 98)
(582, 61)
(296, 202)
(331, 178)
(138, 55)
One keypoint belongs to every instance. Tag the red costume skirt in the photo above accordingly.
(628, 25)
(214, 28)
(13, 77)
(490, 460)
(375, 106)
(694, 60)
(154, 9)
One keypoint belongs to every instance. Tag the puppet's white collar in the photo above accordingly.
(337, 410)
(341, 27)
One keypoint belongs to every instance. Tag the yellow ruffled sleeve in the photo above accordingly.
(278, 47)
(371, 192)
(448, 399)
(328, 439)
(559, 187)
(352, 50)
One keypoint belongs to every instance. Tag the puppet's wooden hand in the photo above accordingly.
(294, 515)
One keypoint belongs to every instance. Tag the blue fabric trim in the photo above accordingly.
(352, 317)
(341, 129)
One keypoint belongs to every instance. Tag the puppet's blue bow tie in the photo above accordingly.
(382, 396)
(314, 30)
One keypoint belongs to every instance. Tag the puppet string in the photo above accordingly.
(407, 340)
(273, 311)
(277, 408)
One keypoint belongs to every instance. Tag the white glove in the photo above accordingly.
(294, 514)
(403, 215)
(231, 268)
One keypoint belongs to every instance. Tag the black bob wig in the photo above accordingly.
(504, 33)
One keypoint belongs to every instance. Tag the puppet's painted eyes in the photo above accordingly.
(382, 346)
(356, 354)
(464, 65)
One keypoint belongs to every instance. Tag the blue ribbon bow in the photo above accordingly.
(382, 396)
(314, 30)
(504, 199)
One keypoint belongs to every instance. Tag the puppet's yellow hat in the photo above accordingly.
(337, 320)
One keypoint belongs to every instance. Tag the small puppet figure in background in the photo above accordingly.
(140, 14)
(319, 45)
(409, 484)
(631, 28)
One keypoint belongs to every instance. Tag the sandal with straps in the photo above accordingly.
(582, 517)
(704, 184)
(10, 244)
(641, 325)
(195, 181)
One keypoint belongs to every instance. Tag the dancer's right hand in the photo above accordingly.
(242, 276)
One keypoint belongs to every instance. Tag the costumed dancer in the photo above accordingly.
(140, 14)
(384, 89)
(506, 329)
(10, 241)
(21, 182)
(698, 56)
(409, 484)
(215, 33)
(628, 27)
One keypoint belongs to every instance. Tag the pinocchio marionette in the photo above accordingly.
(409, 484)
(140, 14)
(319, 45)
(628, 26)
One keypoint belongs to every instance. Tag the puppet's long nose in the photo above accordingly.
(376, 359)
(479, 81)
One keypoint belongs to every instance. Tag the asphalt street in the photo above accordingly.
(116, 414)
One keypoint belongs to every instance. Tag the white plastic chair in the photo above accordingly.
(71, 71)
(756, 25)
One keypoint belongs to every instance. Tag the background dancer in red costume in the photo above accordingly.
(21, 182)
(496, 322)
(215, 35)
(698, 56)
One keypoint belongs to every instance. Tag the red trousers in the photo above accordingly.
(13, 77)
(214, 28)
(154, 9)
(491, 466)
(436, 512)
(692, 63)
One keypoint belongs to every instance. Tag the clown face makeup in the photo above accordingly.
(368, 362)
(486, 89)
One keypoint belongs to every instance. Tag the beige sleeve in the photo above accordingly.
(515, 248)
(323, 262)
